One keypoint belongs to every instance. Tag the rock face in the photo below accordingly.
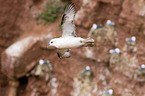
(121, 73)
(10, 12)
(129, 16)
(105, 37)
(83, 82)
(15, 61)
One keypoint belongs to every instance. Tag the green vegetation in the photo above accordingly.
(51, 11)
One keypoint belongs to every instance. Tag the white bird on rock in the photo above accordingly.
(69, 39)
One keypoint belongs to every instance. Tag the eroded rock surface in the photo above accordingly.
(125, 78)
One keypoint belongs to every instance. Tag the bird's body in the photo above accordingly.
(69, 40)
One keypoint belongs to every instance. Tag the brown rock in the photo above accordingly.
(20, 57)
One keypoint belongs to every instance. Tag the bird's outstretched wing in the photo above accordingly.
(68, 27)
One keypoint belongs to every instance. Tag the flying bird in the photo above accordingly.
(69, 40)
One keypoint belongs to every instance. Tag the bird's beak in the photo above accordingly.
(48, 46)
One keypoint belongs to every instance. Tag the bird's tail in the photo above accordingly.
(89, 42)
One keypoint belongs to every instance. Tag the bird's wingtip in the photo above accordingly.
(70, 6)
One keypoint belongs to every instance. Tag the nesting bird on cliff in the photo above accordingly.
(69, 40)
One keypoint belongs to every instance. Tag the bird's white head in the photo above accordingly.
(52, 43)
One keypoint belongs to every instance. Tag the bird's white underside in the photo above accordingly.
(68, 42)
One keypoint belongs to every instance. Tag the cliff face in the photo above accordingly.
(10, 12)
(91, 71)
(128, 17)
(9, 31)
(118, 11)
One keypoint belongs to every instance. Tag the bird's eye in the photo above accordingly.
(51, 42)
